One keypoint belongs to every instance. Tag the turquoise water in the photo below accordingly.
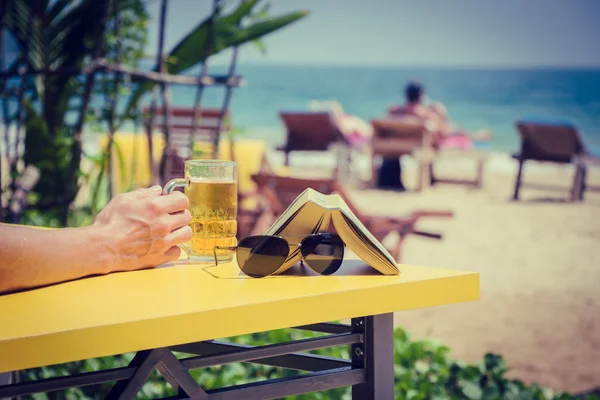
(475, 98)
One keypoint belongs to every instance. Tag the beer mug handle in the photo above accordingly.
(169, 187)
(175, 183)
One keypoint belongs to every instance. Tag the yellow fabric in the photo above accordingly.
(249, 154)
(185, 303)
(134, 152)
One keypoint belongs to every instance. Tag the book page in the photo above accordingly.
(364, 244)
(350, 228)
(289, 213)
(305, 216)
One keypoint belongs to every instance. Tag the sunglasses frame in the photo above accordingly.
(290, 246)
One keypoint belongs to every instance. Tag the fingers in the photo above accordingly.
(173, 239)
(179, 236)
(147, 192)
(171, 254)
(173, 202)
(179, 219)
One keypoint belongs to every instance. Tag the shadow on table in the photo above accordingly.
(348, 268)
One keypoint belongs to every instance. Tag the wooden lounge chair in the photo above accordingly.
(180, 133)
(309, 131)
(279, 192)
(554, 142)
(398, 136)
(181, 123)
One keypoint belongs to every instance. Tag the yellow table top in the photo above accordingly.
(184, 303)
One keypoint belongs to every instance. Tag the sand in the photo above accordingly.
(539, 261)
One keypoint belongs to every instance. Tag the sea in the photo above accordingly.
(476, 98)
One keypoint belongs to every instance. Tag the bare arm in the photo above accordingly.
(136, 230)
(34, 257)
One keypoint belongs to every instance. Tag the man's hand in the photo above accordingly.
(140, 229)
(144, 227)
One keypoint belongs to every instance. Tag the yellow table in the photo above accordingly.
(183, 307)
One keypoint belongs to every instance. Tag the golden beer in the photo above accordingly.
(213, 206)
(211, 188)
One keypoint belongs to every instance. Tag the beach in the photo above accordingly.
(539, 265)
(537, 257)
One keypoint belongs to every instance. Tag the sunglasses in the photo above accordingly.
(261, 255)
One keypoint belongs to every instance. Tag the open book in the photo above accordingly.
(313, 212)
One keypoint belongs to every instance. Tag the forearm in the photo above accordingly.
(33, 257)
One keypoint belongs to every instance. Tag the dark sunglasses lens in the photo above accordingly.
(323, 253)
(259, 256)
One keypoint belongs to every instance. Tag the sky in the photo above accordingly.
(466, 33)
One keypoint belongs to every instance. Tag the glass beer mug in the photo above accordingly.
(212, 191)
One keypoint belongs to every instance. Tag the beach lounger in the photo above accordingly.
(180, 124)
(555, 142)
(398, 136)
(309, 131)
(279, 192)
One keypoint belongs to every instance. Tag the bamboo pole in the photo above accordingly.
(203, 73)
(14, 160)
(43, 71)
(225, 107)
(76, 148)
(114, 100)
(206, 80)
(156, 175)
(163, 86)
(4, 108)
(102, 64)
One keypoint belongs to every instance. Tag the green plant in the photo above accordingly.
(62, 35)
(423, 370)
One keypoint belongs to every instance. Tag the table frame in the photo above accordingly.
(370, 371)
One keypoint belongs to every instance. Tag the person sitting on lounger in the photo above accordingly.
(446, 134)
(357, 131)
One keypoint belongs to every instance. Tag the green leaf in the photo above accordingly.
(57, 7)
(491, 392)
(40, 396)
(471, 390)
(260, 45)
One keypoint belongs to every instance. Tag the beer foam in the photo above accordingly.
(211, 180)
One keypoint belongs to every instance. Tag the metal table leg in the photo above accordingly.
(376, 356)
